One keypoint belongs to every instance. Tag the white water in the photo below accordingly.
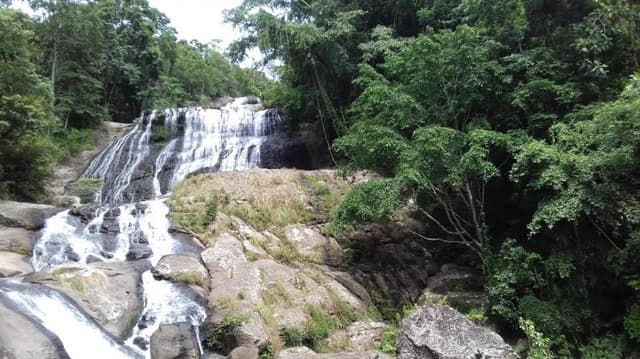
(224, 139)
(80, 337)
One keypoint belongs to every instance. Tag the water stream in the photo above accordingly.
(136, 172)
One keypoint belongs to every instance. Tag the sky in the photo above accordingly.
(202, 20)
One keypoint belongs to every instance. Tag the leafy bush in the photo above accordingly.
(539, 346)
(218, 337)
(632, 322)
(546, 316)
(602, 348)
(372, 201)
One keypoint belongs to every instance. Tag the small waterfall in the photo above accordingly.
(130, 220)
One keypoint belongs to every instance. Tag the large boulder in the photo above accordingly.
(12, 264)
(110, 293)
(22, 338)
(26, 215)
(440, 332)
(184, 269)
(312, 245)
(17, 240)
(171, 341)
(270, 295)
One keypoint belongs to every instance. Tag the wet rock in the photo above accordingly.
(110, 293)
(313, 245)
(440, 332)
(174, 341)
(85, 213)
(179, 268)
(244, 352)
(85, 189)
(65, 201)
(110, 223)
(141, 343)
(17, 240)
(93, 259)
(358, 337)
(22, 338)
(13, 264)
(138, 251)
(71, 255)
(26, 215)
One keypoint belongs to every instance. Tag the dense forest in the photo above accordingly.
(78, 63)
(511, 126)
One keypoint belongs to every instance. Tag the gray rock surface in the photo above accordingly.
(172, 341)
(13, 264)
(440, 332)
(26, 215)
(286, 289)
(17, 240)
(306, 353)
(179, 268)
(313, 245)
(22, 338)
(110, 293)
(360, 336)
(453, 278)
(244, 352)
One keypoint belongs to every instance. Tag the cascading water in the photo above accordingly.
(130, 222)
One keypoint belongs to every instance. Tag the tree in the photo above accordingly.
(25, 111)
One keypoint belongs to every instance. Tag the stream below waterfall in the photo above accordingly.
(128, 222)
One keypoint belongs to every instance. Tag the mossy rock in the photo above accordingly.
(85, 189)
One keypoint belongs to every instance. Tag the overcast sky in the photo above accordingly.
(199, 19)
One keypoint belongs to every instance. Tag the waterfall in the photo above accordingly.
(129, 220)
(169, 145)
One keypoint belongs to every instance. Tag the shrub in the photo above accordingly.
(632, 322)
(602, 348)
(222, 333)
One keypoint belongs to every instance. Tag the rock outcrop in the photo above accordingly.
(182, 269)
(360, 336)
(29, 216)
(306, 353)
(16, 240)
(110, 293)
(12, 264)
(174, 341)
(440, 332)
(271, 295)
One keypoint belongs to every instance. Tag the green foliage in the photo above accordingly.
(388, 340)
(319, 327)
(371, 201)
(539, 346)
(546, 316)
(218, 337)
(477, 315)
(602, 348)
(510, 272)
(632, 322)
